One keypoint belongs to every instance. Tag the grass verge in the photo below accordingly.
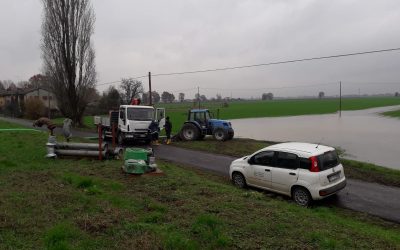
(241, 147)
(87, 204)
(394, 113)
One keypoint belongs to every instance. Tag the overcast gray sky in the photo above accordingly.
(135, 37)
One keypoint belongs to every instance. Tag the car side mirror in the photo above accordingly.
(250, 160)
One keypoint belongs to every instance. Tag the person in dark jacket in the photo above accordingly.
(45, 121)
(168, 128)
(154, 131)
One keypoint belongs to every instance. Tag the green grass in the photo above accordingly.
(241, 147)
(88, 204)
(88, 122)
(394, 113)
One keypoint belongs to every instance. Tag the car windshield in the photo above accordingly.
(328, 160)
(140, 114)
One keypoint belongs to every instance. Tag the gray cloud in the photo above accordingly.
(134, 37)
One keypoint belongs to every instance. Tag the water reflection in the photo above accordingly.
(363, 134)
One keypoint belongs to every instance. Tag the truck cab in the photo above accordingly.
(132, 122)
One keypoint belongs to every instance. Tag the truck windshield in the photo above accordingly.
(140, 114)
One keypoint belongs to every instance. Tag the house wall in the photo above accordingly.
(42, 95)
(2, 102)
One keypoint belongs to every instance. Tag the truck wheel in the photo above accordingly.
(189, 132)
(220, 134)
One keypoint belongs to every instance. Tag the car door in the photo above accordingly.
(285, 173)
(259, 170)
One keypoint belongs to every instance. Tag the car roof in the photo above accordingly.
(302, 149)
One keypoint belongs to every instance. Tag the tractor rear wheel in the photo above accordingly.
(230, 135)
(220, 134)
(189, 132)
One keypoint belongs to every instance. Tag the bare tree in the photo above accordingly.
(267, 96)
(7, 84)
(167, 97)
(130, 89)
(181, 97)
(2, 86)
(68, 54)
(155, 97)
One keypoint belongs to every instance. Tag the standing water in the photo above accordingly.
(363, 134)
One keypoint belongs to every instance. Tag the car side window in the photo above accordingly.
(304, 163)
(121, 114)
(266, 158)
(287, 160)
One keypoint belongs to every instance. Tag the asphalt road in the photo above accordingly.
(371, 198)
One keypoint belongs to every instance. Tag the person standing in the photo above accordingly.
(67, 129)
(168, 128)
(154, 132)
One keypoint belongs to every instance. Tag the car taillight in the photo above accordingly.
(314, 164)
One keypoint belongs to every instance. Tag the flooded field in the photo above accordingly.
(363, 134)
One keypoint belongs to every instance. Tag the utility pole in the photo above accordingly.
(198, 96)
(340, 99)
(150, 101)
(48, 98)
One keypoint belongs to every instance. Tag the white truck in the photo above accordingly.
(131, 122)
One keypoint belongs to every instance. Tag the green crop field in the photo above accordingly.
(88, 204)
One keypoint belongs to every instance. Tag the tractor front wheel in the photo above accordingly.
(220, 134)
(190, 132)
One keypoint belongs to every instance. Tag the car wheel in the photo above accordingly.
(220, 134)
(302, 197)
(189, 132)
(239, 180)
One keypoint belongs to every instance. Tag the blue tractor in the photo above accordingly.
(200, 123)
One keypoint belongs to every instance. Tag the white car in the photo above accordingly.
(304, 171)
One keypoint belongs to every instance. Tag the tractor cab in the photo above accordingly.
(200, 116)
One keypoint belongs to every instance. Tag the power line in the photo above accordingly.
(278, 62)
(283, 87)
(131, 78)
(262, 64)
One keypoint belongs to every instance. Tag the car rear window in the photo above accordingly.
(328, 160)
